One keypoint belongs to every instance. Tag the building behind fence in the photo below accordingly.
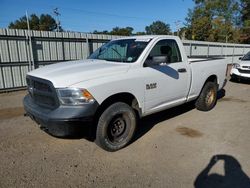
(23, 50)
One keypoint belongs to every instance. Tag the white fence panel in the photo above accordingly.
(50, 47)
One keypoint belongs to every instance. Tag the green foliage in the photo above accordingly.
(44, 23)
(101, 32)
(214, 20)
(245, 4)
(245, 18)
(140, 33)
(158, 28)
(223, 32)
(127, 31)
(19, 24)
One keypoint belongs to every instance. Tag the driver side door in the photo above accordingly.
(167, 84)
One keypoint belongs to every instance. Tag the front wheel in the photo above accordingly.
(208, 97)
(116, 127)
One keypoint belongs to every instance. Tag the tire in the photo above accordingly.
(116, 127)
(207, 98)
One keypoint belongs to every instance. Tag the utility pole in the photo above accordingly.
(177, 25)
(31, 60)
(56, 12)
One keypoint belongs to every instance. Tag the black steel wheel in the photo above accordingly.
(116, 127)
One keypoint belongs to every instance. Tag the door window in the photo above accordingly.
(167, 48)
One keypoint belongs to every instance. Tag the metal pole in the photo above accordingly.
(31, 60)
(177, 25)
(233, 54)
(28, 25)
(208, 50)
(87, 42)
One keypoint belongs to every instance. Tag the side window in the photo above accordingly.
(167, 48)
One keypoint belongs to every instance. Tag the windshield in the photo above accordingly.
(124, 50)
(246, 57)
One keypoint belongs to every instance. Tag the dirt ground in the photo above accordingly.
(180, 147)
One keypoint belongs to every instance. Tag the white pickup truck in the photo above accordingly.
(241, 71)
(123, 80)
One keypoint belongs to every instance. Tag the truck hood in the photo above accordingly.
(68, 73)
(245, 63)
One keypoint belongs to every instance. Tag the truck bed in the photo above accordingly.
(202, 68)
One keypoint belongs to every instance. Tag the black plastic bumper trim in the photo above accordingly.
(63, 121)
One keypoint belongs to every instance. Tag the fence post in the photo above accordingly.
(87, 41)
(233, 54)
(31, 52)
(222, 50)
(28, 50)
(190, 49)
(208, 50)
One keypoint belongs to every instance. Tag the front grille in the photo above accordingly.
(246, 67)
(244, 71)
(42, 92)
(42, 87)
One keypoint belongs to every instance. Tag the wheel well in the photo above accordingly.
(212, 78)
(127, 98)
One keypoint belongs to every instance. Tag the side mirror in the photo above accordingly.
(240, 58)
(159, 59)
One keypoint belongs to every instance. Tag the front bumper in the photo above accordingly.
(236, 74)
(63, 121)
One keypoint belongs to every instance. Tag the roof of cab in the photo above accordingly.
(147, 37)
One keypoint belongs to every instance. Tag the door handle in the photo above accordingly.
(182, 70)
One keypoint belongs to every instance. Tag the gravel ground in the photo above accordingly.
(180, 147)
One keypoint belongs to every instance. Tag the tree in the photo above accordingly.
(223, 32)
(44, 23)
(19, 24)
(127, 31)
(47, 23)
(245, 18)
(199, 23)
(213, 20)
(182, 33)
(245, 4)
(140, 33)
(158, 28)
(101, 32)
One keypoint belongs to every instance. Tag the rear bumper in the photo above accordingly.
(63, 121)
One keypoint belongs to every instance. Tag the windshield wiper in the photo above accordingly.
(120, 56)
(99, 52)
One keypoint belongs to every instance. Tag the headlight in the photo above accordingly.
(74, 96)
(236, 65)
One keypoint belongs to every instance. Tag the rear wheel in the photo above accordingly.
(116, 127)
(208, 97)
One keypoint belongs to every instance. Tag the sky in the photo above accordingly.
(90, 15)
